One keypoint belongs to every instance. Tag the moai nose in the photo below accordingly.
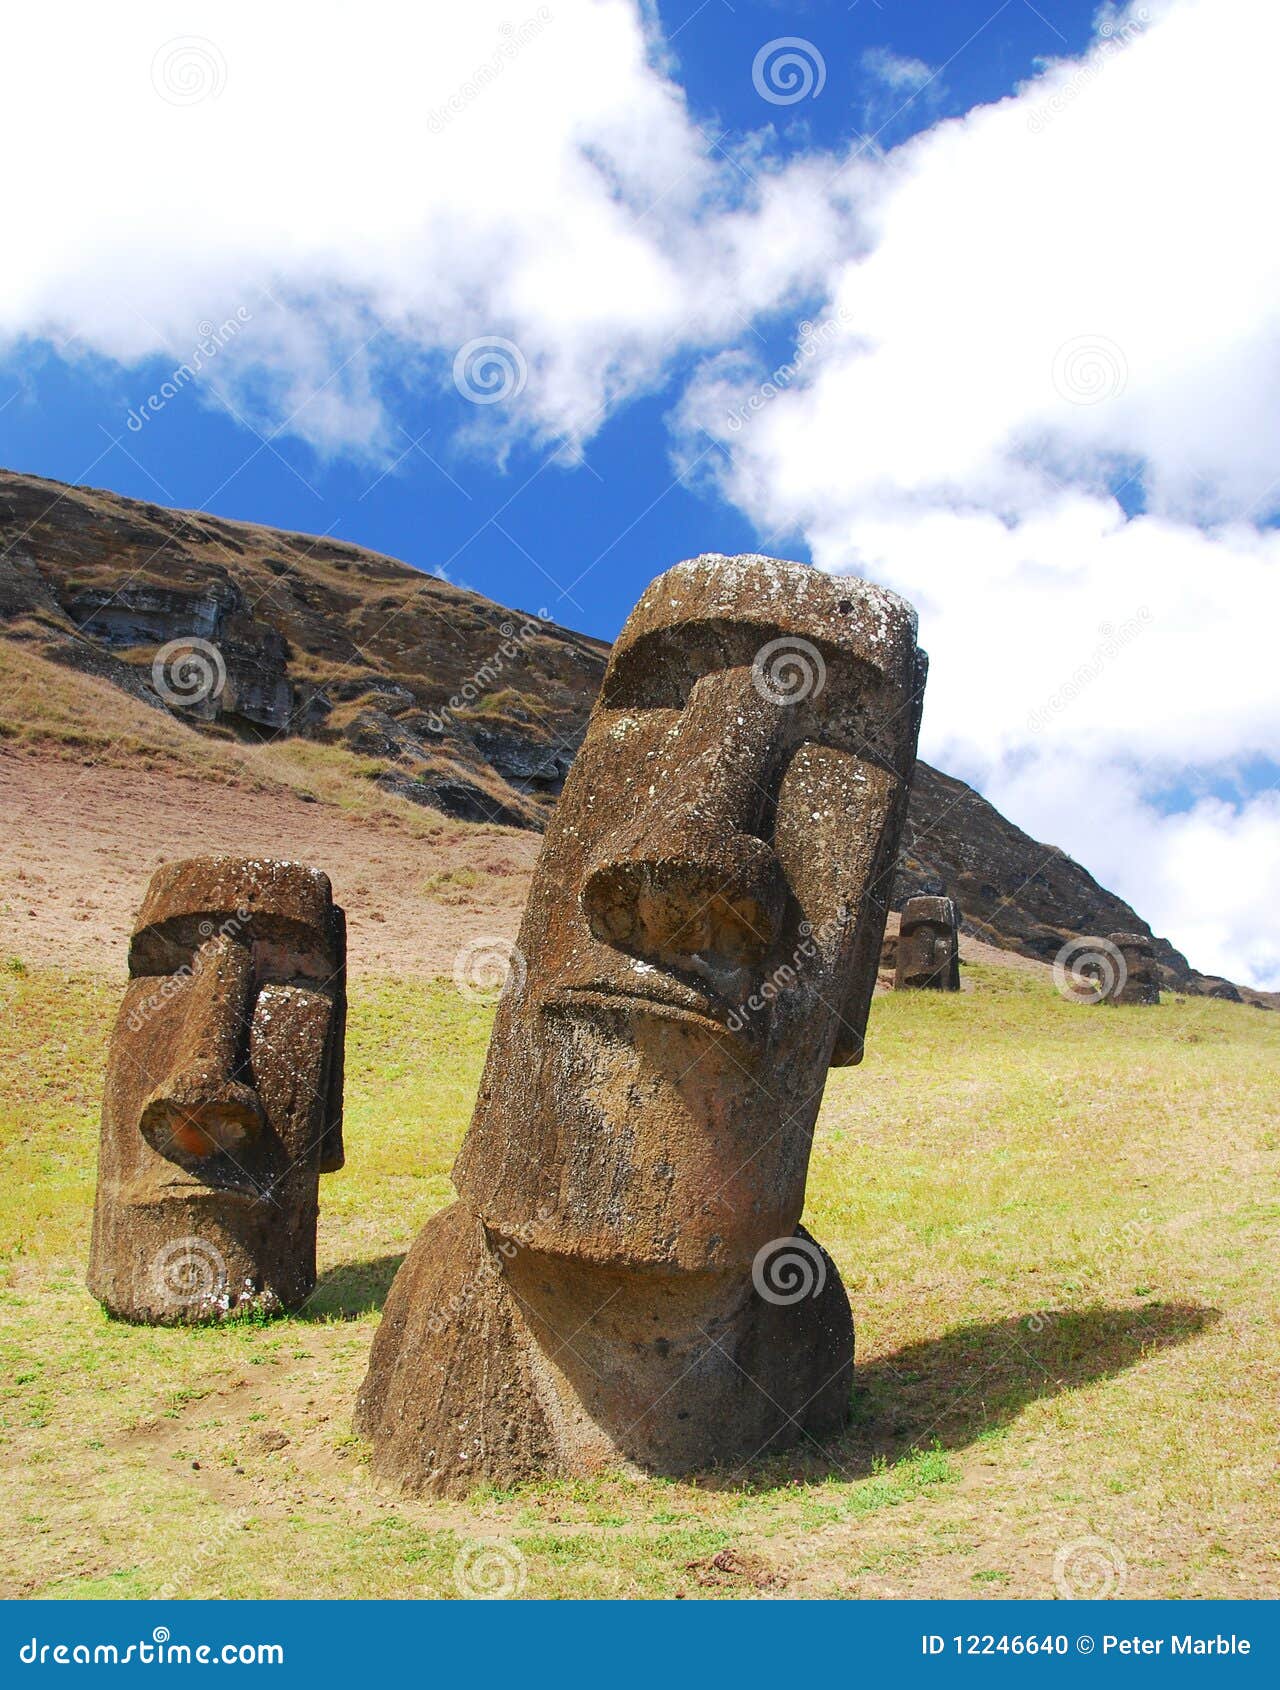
(205, 1104)
(717, 907)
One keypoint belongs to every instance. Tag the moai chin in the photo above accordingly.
(223, 1100)
(1139, 980)
(624, 1279)
(928, 955)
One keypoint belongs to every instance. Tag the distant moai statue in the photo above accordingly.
(1138, 981)
(928, 954)
(223, 1100)
(624, 1278)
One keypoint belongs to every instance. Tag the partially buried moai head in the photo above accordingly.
(223, 1099)
(703, 929)
(1135, 978)
(928, 952)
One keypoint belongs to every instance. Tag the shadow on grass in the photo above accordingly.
(352, 1289)
(947, 1392)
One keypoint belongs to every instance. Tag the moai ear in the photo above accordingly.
(332, 1154)
(884, 795)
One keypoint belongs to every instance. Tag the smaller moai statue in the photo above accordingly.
(1138, 981)
(223, 1098)
(928, 954)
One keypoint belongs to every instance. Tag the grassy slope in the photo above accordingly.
(1058, 1230)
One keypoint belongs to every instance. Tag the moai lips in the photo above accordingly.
(928, 951)
(223, 1099)
(699, 946)
(1139, 979)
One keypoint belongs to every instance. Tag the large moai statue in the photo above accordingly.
(928, 953)
(1138, 981)
(223, 1101)
(624, 1278)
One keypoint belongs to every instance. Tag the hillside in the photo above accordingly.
(345, 672)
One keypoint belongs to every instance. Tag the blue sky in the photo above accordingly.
(973, 299)
(433, 506)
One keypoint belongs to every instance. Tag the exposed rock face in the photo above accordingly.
(252, 683)
(223, 1100)
(474, 710)
(1138, 982)
(623, 1278)
(469, 708)
(927, 956)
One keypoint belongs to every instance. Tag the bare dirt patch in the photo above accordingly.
(78, 845)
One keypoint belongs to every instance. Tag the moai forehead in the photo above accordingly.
(1133, 942)
(866, 621)
(938, 912)
(246, 899)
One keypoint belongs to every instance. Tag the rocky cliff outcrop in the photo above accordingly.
(451, 700)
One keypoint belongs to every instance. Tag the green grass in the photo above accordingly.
(1057, 1227)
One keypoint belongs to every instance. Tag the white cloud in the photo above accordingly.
(899, 73)
(1025, 305)
(402, 182)
(1076, 285)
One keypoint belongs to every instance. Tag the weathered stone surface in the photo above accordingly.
(1138, 981)
(927, 957)
(624, 1278)
(223, 1099)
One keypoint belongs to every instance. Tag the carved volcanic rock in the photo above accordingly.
(410, 673)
